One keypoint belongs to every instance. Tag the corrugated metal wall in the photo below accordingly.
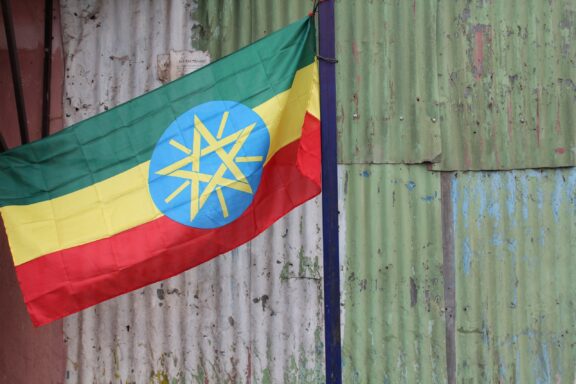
(465, 85)
(393, 283)
(506, 75)
(514, 252)
(252, 315)
(460, 84)
(387, 87)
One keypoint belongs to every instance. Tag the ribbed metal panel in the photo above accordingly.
(227, 25)
(393, 286)
(471, 85)
(387, 81)
(507, 78)
(252, 315)
(112, 49)
(514, 249)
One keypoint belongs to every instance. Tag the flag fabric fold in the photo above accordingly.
(166, 181)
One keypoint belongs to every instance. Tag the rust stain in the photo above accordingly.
(560, 150)
(355, 53)
(414, 8)
(478, 53)
(479, 38)
(249, 366)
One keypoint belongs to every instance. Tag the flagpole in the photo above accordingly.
(327, 69)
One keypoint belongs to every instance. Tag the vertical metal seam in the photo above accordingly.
(449, 273)
(47, 74)
(15, 68)
(332, 337)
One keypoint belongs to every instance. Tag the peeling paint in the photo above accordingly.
(514, 272)
(509, 106)
(478, 55)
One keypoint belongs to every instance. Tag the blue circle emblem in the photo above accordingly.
(206, 167)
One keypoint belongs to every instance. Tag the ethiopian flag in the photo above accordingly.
(166, 181)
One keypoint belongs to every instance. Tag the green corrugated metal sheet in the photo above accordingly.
(484, 84)
(507, 77)
(393, 287)
(387, 81)
(515, 267)
(227, 25)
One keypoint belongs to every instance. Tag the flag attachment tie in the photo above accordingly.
(314, 10)
(327, 59)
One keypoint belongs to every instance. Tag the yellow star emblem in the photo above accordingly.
(229, 159)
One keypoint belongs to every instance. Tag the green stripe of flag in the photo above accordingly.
(123, 137)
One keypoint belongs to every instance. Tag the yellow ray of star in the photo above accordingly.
(212, 184)
(179, 146)
(177, 191)
(174, 166)
(222, 201)
(195, 188)
(221, 143)
(222, 124)
(205, 151)
(226, 157)
(241, 140)
(248, 159)
(205, 178)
